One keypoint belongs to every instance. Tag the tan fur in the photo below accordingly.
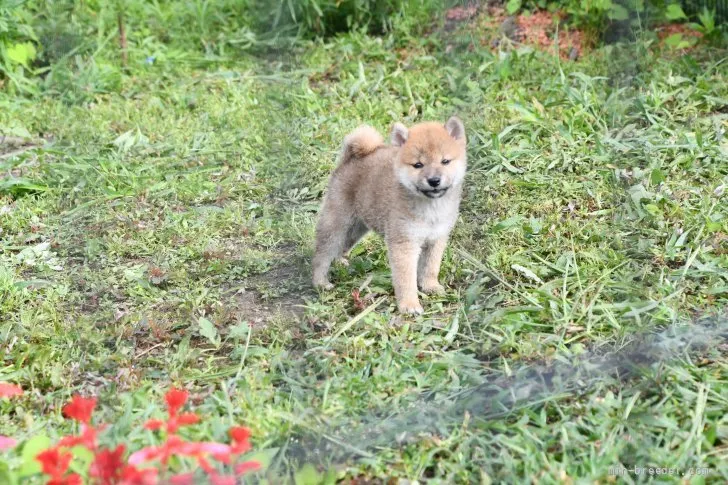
(377, 187)
(360, 143)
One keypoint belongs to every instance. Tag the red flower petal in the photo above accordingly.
(54, 462)
(145, 454)
(240, 448)
(154, 424)
(6, 443)
(216, 479)
(185, 419)
(80, 408)
(240, 433)
(108, 465)
(197, 449)
(10, 390)
(133, 476)
(87, 438)
(183, 479)
(70, 441)
(246, 467)
(175, 398)
(72, 479)
(222, 457)
(205, 465)
(240, 436)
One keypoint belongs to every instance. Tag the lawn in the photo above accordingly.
(159, 232)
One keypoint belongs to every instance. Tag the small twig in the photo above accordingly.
(122, 38)
(17, 152)
(144, 352)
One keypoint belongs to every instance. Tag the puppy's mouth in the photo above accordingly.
(435, 193)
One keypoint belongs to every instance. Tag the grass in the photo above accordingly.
(164, 236)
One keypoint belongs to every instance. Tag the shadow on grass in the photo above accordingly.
(632, 364)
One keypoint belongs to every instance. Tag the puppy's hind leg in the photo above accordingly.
(355, 232)
(331, 236)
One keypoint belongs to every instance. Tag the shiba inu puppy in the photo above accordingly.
(408, 191)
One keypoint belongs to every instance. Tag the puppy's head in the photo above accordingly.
(432, 157)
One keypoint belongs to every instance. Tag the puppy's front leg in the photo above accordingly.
(403, 258)
(429, 267)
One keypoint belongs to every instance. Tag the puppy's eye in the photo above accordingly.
(418, 165)
(445, 161)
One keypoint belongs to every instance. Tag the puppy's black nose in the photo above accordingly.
(433, 181)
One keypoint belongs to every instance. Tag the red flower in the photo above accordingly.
(173, 423)
(133, 476)
(176, 446)
(217, 479)
(87, 438)
(205, 465)
(186, 419)
(80, 409)
(246, 467)
(175, 400)
(72, 479)
(203, 448)
(108, 465)
(182, 479)
(239, 433)
(241, 437)
(10, 390)
(148, 453)
(7, 443)
(154, 424)
(54, 462)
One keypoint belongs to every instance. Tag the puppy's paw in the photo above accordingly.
(432, 288)
(323, 285)
(410, 307)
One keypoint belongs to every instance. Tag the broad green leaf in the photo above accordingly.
(707, 20)
(264, 457)
(506, 224)
(675, 12)
(653, 209)
(208, 330)
(6, 476)
(307, 475)
(31, 448)
(15, 130)
(638, 193)
(657, 176)
(82, 458)
(17, 186)
(21, 53)
(618, 12)
(676, 41)
(534, 226)
(240, 330)
(513, 6)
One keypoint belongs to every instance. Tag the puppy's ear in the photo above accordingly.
(455, 128)
(399, 134)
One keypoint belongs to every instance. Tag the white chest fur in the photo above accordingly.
(434, 220)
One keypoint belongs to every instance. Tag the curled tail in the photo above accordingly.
(360, 143)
